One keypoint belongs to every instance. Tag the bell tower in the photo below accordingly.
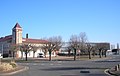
(17, 34)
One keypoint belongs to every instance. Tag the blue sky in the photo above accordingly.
(100, 19)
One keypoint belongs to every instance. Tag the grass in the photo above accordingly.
(64, 58)
(92, 58)
(7, 66)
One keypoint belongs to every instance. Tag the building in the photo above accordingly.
(66, 48)
(16, 38)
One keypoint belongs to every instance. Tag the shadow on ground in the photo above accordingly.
(69, 68)
(107, 61)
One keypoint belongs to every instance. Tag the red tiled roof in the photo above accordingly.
(6, 38)
(25, 40)
(17, 26)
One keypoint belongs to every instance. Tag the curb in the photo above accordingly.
(107, 71)
(14, 72)
(111, 73)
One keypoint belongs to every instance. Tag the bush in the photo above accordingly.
(14, 65)
(6, 67)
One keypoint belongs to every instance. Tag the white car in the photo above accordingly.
(40, 55)
(1, 55)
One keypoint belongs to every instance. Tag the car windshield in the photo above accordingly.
(40, 54)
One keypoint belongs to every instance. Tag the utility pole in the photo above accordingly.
(118, 48)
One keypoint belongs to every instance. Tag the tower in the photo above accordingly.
(17, 34)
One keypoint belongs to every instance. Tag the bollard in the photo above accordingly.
(116, 68)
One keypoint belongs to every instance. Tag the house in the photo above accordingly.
(16, 38)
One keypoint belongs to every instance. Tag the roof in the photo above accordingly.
(25, 40)
(6, 38)
(17, 26)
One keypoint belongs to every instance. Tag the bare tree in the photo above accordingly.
(74, 44)
(45, 49)
(34, 49)
(102, 47)
(94, 51)
(83, 39)
(14, 48)
(26, 48)
(57, 40)
(99, 47)
(53, 45)
(69, 50)
(89, 48)
(51, 48)
(78, 42)
(106, 47)
(21, 50)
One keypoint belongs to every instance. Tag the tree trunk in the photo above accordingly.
(105, 53)
(50, 55)
(93, 53)
(45, 53)
(74, 54)
(33, 54)
(21, 54)
(13, 55)
(69, 53)
(89, 55)
(13, 59)
(26, 55)
(100, 53)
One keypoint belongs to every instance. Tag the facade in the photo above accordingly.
(16, 38)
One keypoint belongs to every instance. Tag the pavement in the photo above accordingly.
(16, 70)
(57, 67)
(64, 68)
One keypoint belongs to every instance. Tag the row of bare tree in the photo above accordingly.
(80, 42)
(76, 42)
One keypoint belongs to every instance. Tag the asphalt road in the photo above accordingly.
(69, 68)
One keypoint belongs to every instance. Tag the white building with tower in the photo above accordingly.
(16, 38)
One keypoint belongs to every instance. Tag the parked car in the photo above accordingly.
(40, 55)
(1, 55)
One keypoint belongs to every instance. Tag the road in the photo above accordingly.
(69, 68)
